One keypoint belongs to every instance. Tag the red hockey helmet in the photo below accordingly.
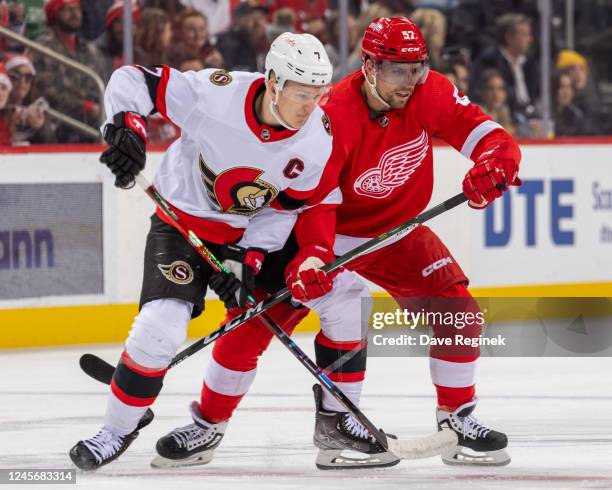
(396, 39)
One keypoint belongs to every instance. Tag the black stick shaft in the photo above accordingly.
(283, 294)
(270, 324)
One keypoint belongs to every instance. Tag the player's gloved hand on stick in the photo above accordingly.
(126, 137)
(304, 276)
(243, 264)
(488, 179)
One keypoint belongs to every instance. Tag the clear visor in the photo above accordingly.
(401, 73)
(301, 94)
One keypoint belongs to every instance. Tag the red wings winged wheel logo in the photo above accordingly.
(394, 168)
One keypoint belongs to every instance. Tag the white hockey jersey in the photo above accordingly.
(230, 178)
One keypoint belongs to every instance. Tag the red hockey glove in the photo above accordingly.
(488, 179)
(304, 276)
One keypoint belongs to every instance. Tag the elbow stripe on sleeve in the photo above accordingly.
(476, 135)
(156, 78)
(287, 202)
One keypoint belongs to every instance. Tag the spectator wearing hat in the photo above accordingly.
(244, 46)
(21, 72)
(6, 116)
(110, 43)
(67, 90)
(193, 42)
(31, 123)
(586, 94)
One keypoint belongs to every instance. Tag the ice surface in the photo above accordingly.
(555, 411)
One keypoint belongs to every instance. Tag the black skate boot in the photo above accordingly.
(336, 432)
(105, 446)
(478, 445)
(190, 445)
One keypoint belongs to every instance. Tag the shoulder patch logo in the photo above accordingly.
(178, 272)
(326, 123)
(220, 78)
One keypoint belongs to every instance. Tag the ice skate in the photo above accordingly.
(105, 446)
(339, 432)
(478, 444)
(193, 444)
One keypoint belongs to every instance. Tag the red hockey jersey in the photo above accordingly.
(384, 162)
(387, 174)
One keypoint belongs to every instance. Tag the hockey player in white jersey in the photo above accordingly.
(251, 154)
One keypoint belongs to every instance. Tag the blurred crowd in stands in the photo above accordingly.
(488, 48)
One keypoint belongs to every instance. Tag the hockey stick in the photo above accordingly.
(425, 447)
(102, 371)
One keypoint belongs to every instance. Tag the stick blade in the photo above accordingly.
(424, 447)
(97, 368)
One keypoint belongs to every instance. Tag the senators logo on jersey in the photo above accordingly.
(220, 78)
(178, 272)
(394, 168)
(238, 190)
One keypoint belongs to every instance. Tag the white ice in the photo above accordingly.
(556, 411)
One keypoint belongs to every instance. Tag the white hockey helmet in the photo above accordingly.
(298, 57)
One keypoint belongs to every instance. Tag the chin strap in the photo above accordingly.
(373, 91)
(275, 113)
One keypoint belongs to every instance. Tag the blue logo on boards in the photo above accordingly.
(534, 194)
(26, 249)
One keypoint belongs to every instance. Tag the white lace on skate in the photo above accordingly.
(470, 426)
(192, 436)
(104, 445)
(353, 427)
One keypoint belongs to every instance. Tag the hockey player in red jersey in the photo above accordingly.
(395, 105)
(251, 153)
(383, 119)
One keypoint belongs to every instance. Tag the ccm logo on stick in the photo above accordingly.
(438, 264)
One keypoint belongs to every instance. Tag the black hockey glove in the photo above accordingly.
(126, 156)
(243, 264)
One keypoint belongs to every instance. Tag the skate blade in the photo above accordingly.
(193, 460)
(462, 456)
(425, 447)
(334, 459)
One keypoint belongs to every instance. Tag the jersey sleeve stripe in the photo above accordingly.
(299, 195)
(156, 78)
(286, 202)
(161, 92)
(476, 135)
